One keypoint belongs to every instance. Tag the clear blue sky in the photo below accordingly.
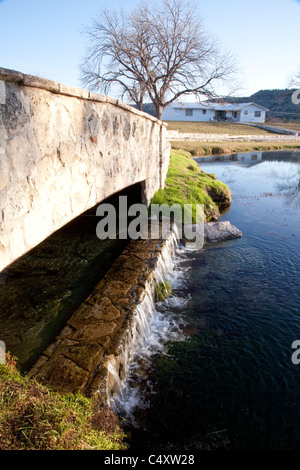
(44, 37)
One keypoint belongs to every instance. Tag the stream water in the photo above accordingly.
(226, 379)
(211, 366)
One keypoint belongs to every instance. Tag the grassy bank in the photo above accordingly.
(33, 417)
(186, 183)
(222, 148)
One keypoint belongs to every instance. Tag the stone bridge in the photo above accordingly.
(62, 151)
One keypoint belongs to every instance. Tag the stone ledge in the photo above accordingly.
(98, 98)
(11, 75)
(14, 76)
(97, 328)
(72, 91)
(43, 83)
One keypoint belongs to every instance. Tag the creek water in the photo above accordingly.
(226, 379)
(211, 366)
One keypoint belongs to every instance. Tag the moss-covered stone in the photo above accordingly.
(186, 183)
(76, 360)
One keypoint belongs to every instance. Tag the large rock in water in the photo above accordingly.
(215, 232)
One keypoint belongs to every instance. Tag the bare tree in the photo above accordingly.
(296, 80)
(136, 93)
(112, 57)
(161, 50)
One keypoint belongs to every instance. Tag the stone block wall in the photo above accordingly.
(99, 332)
(62, 151)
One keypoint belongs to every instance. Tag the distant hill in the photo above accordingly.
(149, 108)
(278, 102)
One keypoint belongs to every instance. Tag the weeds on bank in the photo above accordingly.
(34, 417)
(186, 183)
(163, 290)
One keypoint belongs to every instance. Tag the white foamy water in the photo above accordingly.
(155, 324)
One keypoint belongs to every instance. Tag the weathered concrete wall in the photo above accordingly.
(63, 150)
(100, 329)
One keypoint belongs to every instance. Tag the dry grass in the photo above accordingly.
(35, 418)
(222, 148)
(295, 126)
(230, 128)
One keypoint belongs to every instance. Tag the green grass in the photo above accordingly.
(201, 149)
(163, 290)
(186, 183)
(230, 128)
(35, 418)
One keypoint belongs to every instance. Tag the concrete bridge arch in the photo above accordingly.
(63, 150)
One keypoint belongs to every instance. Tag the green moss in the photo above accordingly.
(35, 418)
(163, 290)
(186, 183)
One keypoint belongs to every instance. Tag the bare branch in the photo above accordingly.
(294, 81)
(160, 49)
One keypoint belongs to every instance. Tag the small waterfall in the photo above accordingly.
(148, 332)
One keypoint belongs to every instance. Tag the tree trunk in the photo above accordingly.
(158, 110)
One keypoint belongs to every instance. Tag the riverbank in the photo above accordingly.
(36, 417)
(186, 183)
(33, 417)
(199, 149)
(62, 401)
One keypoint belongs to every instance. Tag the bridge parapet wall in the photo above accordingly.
(63, 150)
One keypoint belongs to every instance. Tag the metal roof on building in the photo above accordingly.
(214, 106)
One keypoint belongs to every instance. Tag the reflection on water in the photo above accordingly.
(248, 158)
(231, 384)
(260, 174)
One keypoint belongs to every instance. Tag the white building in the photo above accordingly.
(206, 111)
